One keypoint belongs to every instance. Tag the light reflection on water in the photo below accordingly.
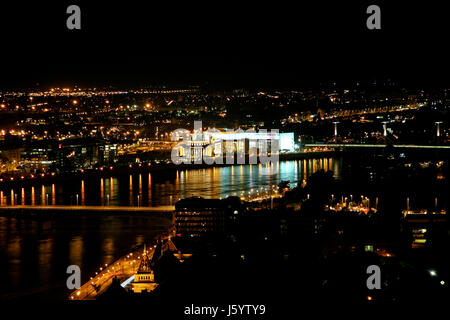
(165, 188)
(35, 253)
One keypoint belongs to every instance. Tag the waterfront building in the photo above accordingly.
(239, 144)
(144, 279)
(196, 216)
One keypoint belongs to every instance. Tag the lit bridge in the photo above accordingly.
(124, 269)
(81, 209)
(363, 145)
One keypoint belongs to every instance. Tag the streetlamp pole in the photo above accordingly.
(385, 128)
(438, 128)
(335, 130)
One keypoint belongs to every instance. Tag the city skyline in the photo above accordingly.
(224, 160)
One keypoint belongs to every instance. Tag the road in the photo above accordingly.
(356, 145)
(90, 208)
(123, 268)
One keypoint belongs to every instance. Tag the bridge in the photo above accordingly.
(361, 145)
(89, 208)
(163, 214)
(123, 269)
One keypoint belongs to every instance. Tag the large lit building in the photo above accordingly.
(239, 144)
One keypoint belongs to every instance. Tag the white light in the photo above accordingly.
(433, 273)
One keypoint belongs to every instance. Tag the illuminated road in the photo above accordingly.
(124, 268)
(354, 145)
(158, 209)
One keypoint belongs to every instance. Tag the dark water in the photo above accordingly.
(35, 253)
(165, 188)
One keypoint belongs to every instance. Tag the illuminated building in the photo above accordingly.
(196, 216)
(144, 279)
(241, 144)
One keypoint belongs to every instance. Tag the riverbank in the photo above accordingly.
(150, 167)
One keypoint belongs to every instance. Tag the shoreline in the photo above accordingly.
(142, 168)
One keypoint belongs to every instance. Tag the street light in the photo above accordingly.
(335, 128)
(438, 129)
(385, 128)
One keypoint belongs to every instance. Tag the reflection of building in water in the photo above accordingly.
(144, 279)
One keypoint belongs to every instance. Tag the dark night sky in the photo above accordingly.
(137, 43)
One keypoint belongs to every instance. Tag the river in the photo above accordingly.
(35, 252)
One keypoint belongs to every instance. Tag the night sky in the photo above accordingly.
(224, 43)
